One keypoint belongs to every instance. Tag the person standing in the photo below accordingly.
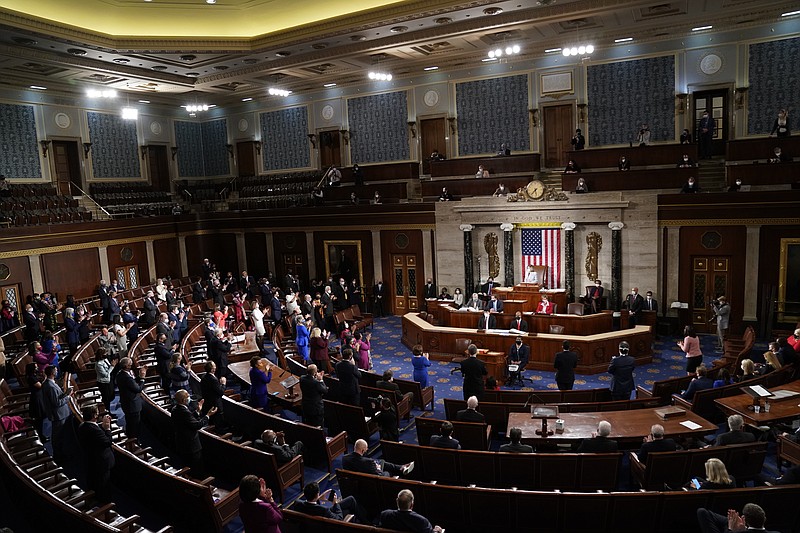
(421, 361)
(578, 141)
(56, 408)
(378, 293)
(348, 374)
(258, 510)
(722, 312)
(621, 370)
(634, 303)
(473, 370)
(95, 439)
(782, 126)
(691, 347)
(706, 128)
(259, 378)
(130, 387)
(301, 339)
(565, 363)
(186, 423)
(313, 389)
(212, 390)
(650, 304)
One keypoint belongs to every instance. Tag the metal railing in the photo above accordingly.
(98, 208)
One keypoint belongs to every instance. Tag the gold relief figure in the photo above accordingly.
(490, 245)
(594, 242)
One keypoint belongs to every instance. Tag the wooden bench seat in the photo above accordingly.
(471, 435)
(788, 450)
(350, 419)
(423, 397)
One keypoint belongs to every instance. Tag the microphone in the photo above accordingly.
(532, 396)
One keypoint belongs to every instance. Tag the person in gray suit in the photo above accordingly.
(56, 407)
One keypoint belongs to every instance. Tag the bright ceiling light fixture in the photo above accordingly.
(194, 108)
(279, 92)
(379, 76)
(509, 50)
(329, 85)
(790, 13)
(701, 28)
(582, 50)
(105, 93)
(623, 40)
(431, 68)
(551, 50)
(130, 113)
(38, 87)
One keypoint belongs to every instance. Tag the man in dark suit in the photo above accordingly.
(247, 284)
(378, 293)
(655, 442)
(163, 353)
(33, 324)
(186, 422)
(473, 370)
(56, 408)
(445, 438)
(404, 518)
(150, 309)
(275, 443)
(487, 321)
(519, 323)
(752, 518)
(311, 504)
(102, 293)
(212, 389)
(634, 303)
(650, 303)
(565, 363)
(706, 129)
(96, 441)
(130, 399)
(313, 389)
(515, 446)
(112, 308)
(471, 414)
(594, 297)
(387, 383)
(518, 354)
(599, 443)
(164, 327)
(342, 296)
(736, 435)
(348, 374)
(489, 286)
(700, 382)
(494, 305)
(621, 370)
(275, 308)
(429, 290)
(291, 282)
(356, 462)
(222, 348)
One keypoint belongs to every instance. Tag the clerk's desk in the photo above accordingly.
(573, 324)
(594, 351)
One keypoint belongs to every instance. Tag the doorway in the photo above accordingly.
(432, 137)
(710, 280)
(716, 103)
(295, 263)
(330, 151)
(559, 123)
(128, 276)
(405, 296)
(67, 164)
(158, 166)
(246, 158)
(12, 294)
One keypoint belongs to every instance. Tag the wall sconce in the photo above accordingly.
(582, 113)
(681, 105)
(258, 145)
(452, 122)
(312, 137)
(87, 147)
(534, 117)
(174, 152)
(345, 136)
(230, 149)
(45, 146)
(413, 126)
(740, 93)
(143, 149)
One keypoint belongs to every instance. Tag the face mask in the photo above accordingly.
(519, 343)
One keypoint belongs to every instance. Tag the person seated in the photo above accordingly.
(470, 414)
(690, 186)
(736, 435)
(490, 284)
(685, 162)
(487, 320)
(353, 199)
(436, 156)
(404, 518)
(515, 446)
(531, 276)
(258, 510)
(445, 196)
(274, 442)
(491, 384)
(504, 150)
(752, 518)
(356, 462)
(386, 418)
(772, 363)
(717, 477)
(748, 370)
(475, 302)
(779, 157)
(482, 172)
(736, 186)
(723, 378)
(444, 295)
(376, 199)
(335, 177)
(501, 190)
(518, 354)
(312, 504)
(791, 477)
(572, 168)
(624, 163)
(700, 382)
(518, 323)
(655, 442)
(445, 437)
(388, 384)
(599, 443)
(581, 187)
(494, 305)
(686, 137)
(594, 297)
(544, 307)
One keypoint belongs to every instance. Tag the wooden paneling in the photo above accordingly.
(383, 171)
(763, 174)
(20, 268)
(246, 158)
(752, 205)
(559, 124)
(293, 242)
(472, 186)
(464, 166)
(388, 192)
(630, 180)
(220, 248)
(168, 259)
(769, 257)
(75, 272)
(365, 237)
(139, 259)
(255, 244)
(401, 242)
(656, 154)
(761, 148)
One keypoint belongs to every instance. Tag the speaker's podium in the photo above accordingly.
(544, 413)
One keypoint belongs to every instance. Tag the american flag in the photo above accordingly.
(543, 247)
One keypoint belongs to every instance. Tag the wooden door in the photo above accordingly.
(559, 125)
(710, 280)
(11, 293)
(716, 103)
(128, 276)
(330, 152)
(432, 137)
(67, 166)
(293, 262)
(405, 290)
(158, 165)
(246, 158)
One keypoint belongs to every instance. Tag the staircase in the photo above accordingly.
(98, 213)
(711, 175)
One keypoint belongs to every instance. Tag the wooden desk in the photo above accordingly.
(787, 409)
(276, 391)
(465, 166)
(533, 295)
(656, 154)
(761, 148)
(631, 180)
(573, 324)
(594, 351)
(472, 186)
(763, 173)
(382, 172)
(627, 427)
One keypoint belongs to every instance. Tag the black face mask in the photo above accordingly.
(519, 343)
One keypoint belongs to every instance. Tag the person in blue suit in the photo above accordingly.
(421, 361)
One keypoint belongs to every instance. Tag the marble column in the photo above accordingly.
(36, 276)
(105, 271)
(184, 257)
(270, 251)
(508, 253)
(751, 274)
(241, 252)
(469, 281)
(569, 259)
(427, 254)
(151, 260)
(616, 264)
(312, 257)
(377, 257)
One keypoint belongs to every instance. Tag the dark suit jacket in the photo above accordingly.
(497, 305)
(379, 290)
(187, 424)
(660, 445)
(516, 448)
(565, 364)
(163, 354)
(313, 391)
(473, 370)
(390, 386)
(634, 304)
(470, 415)
(283, 454)
(318, 509)
(439, 441)
(490, 323)
(522, 326)
(652, 306)
(358, 463)
(598, 445)
(96, 445)
(150, 312)
(696, 385)
(521, 355)
(485, 287)
(734, 437)
(621, 368)
(212, 392)
(430, 290)
(348, 375)
(275, 307)
(129, 392)
(405, 521)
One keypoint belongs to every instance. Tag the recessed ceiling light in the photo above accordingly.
(38, 87)
(701, 28)
(550, 50)
(144, 101)
(487, 59)
(329, 85)
(492, 11)
(790, 13)
(246, 99)
(211, 1)
(624, 40)
(76, 51)
(431, 68)
(130, 113)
